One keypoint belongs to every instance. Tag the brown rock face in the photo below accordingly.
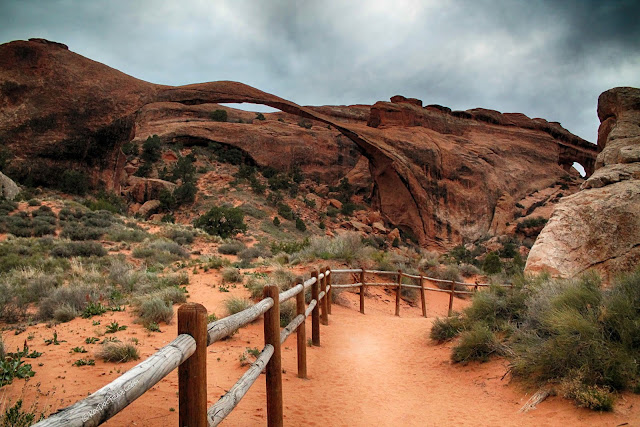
(435, 174)
(599, 227)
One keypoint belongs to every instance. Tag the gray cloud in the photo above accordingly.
(546, 58)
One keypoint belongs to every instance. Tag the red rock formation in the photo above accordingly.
(599, 227)
(437, 174)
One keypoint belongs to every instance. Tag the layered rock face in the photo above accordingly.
(442, 176)
(599, 227)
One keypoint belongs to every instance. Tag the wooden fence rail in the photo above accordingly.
(188, 352)
(363, 284)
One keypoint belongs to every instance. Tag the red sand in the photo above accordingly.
(373, 369)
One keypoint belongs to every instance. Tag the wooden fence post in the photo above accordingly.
(330, 290)
(398, 293)
(301, 333)
(422, 297)
(192, 374)
(324, 306)
(315, 314)
(451, 293)
(274, 367)
(362, 290)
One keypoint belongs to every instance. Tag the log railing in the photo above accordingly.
(360, 282)
(188, 352)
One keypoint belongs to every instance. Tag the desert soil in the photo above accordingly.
(372, 369)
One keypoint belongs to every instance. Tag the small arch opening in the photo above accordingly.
(577, 166)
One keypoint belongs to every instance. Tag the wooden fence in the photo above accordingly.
(188, 352)
(360, 282)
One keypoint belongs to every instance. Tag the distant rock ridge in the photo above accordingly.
(599, 227)
(437, 175)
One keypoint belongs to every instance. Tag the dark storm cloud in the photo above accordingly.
(543, 58)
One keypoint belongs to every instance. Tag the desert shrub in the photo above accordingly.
(74, 182)
(222, 221)
(492, 263)
(118, 352)
(73, 249)
(236, 305)
(255, 286)
(300, 225)
(347, 247)
(232, 275)
(127, 235)
(151, 148)
(216, 263)
(289, 246)
(260, 116)
(181, 237)
(82, 232)
(589, 396)
(287, 312)
(110, 202)
(160, 252)
(218, 115)
(154, 310)
(74, 296)
(249, 254)
(445, 329)
(285, 211)
(231, 248)
(65, 313)
(477, 343)
(469, 270)
(571, 333)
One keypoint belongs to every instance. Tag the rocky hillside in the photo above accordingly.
(599, 227)
(440, 176)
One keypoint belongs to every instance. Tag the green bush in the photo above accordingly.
(151, 149)
(154, 310)
(236, 305)
(118, 352)
(478, 343)
(300, 225)
(222, 221)
(285, 211)
(231, 248)
(287, 312)
(445, 329)
(232, 275)
(570, 333)
(219, 115)
(73, 249)
(492, 263)
(74, 182)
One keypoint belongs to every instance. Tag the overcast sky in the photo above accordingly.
(547, 59)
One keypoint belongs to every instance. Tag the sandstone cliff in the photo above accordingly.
(599, 227)
(442, 176)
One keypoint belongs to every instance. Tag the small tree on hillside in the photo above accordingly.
(221, 221)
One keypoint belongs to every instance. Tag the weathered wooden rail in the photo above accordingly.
(361, 283)
(188, 352)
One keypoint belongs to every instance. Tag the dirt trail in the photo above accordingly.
(379, 369)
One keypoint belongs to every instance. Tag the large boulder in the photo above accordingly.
(599, 227)
(8, 189)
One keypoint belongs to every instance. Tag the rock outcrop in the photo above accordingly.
(8, 189)
(599, 227)
(436, 174)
